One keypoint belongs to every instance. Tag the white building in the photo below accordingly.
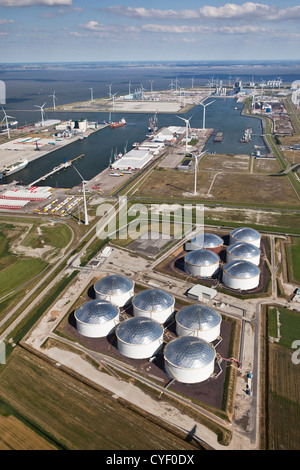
(153, 303)
(139, 337)
(133, 160)
(189, 360)
(241, 275)
(96, 318)
(202, 262)
(245, 234)
(115, 288)
(200, 321)
(201, 293)
(243, 251)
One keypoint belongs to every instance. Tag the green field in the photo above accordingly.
(283, 386)
(76, 416)
(295, 253)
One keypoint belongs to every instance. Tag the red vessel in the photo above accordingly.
(122, 122)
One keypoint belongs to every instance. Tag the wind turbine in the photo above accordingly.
(204, 106)
(172, 85)
(109, 89)
(142, 90)
(196, 157)
(92, 96)
(151, 82)
(193, 78)
(187, 126)
(113, 99)
(54, 98)
(129, 88)
(42, 112)
(6, 122)
(86, 220)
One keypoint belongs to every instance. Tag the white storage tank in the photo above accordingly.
(139, 337)
(203, 263)
(200, 321)
(153, 303)
(209, 241)
(115, 288)
(96, 318)
(189, 360)
(243, 251)
(241, 275)
(245, 234)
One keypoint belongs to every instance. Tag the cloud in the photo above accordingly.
(31, 3)
(229, 11)
(2, 21)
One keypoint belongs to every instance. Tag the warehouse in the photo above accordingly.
(200, 321)
(209, 241)
(202, 262)
(133, 160)
(189, 360)
(96, 318)
(243, 251)
(153, 303)
(139, 337)
(241, 275)
(115, 288)
(32, 194)
(12, 204)
(245, 234)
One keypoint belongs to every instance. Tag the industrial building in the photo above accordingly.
(12, 204)
(245, 234)
(34, 193)
(243, 251)
(189, 360)
(202, 262)
(201, 293)
(200, 321)
(96, 318)
(139, 337)
(209, 241)
(133, 160)
(115, 288)
(153, 303)
(241, 275)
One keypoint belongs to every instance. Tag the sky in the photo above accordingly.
(155, 30)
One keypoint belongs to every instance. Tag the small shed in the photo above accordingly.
(199, 292)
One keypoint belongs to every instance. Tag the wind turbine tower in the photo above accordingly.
(6, 122)
(113, 99)
(151, 82)
(204, 106)
(197, 157)
(53, 98)
(92, 94)
(86, 220)
(42, 112)
(109, 89)
(187, 126)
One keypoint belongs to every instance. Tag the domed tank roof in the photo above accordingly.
(114, 285)
(139, 330)
(96, 312)
(202, 257)
(243, 250)
(207, 240)
(198, 317)
(189, 352)
(241, 269)
(153, 300)
(245, 234)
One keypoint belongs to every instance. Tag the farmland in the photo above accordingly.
(74, 415)
(283, 397)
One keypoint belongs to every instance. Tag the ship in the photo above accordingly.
(153, 124)
(247, 135)
(218, 137)
(14, 167)
(120, 123)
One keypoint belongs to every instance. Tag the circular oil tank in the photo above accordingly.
(245, 234)
(202, 262)
(209, 241)
(153, 303)
(139, 337)
(241, 251)
(115, 288)
(200, 321)
(96, 318)
(189, 360)
(241, 275)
